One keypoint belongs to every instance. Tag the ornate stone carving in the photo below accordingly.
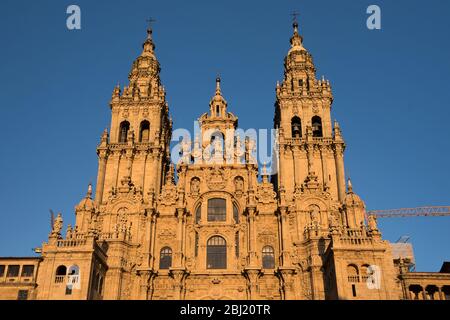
(215, 179)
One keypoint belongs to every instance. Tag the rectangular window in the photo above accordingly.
(354, 290)
(22, 295)
(2, 271)
(27, 271)
(13, 271)
(217, 210)
(68, 290)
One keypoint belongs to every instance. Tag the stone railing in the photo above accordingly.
(60, 279)
(353, 279)
(355, 241)
(71, 243)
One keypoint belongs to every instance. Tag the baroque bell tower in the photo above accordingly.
(310, 147)
(136, 150)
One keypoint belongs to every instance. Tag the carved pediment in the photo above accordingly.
(169, 195)
(166, 234)
(266, 194)
(216, 179)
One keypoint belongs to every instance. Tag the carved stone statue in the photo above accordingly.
(372, 223)
(238, 184)
(314, 213)
(58, 225)
(195, 186)
(186, 151)
(197, 153)
(218, 150)
(69, 232)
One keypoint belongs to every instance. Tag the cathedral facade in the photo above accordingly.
(215, 225)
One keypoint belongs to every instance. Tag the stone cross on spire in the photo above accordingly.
(150, 22)
(294, 15)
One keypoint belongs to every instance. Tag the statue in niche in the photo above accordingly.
(238, 186)
(195, 185)
(314, 212)
(218, 150)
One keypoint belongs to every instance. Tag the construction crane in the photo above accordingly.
(411, 212)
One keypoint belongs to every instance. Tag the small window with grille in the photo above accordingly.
(216, 253)
(268, 257)
(217, 210)
(165, 260)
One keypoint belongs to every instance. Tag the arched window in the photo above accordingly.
(144, 132)
(61, 271)
(198, 214)
(60, 275)
(217, 144)
(123, 132)
(415, 292)
(165, 259)
(268, 257)
(352, 273)
(296, 126)
(217, 135)
(216, 253)
(317, 126)
(218, 111)
(235, 213)
(217, 210)
(365, 272)
(74, 270)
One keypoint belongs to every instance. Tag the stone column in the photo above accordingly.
(252, 276)
(323, 156)
(178, 280)
(252, 237)
(295, 161)
(287, 283)
(286, 261)
(179, 253)
(102, 158)
(152, 240)
(340, 171)
(144, 284)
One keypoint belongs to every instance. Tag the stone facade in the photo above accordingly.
(218, 227)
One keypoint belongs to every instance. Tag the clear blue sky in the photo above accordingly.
(391, 91)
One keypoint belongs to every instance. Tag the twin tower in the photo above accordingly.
(221, 230)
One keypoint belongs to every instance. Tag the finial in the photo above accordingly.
(149, 28)
(350, 186)
(89, 192)
(218, 92)
(148, 45)
(294, 15)
(336, 124)
(264, 169)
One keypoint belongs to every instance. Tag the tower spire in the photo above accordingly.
(218, 91)
(297, 39)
